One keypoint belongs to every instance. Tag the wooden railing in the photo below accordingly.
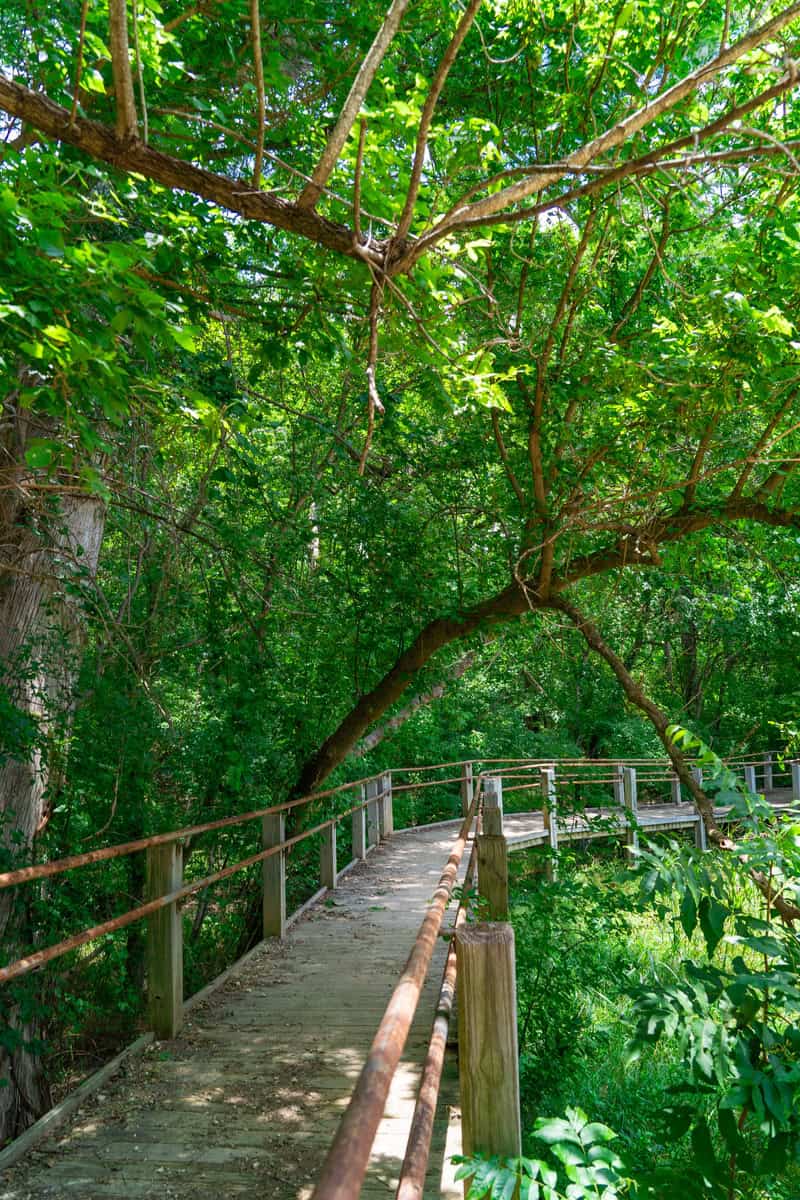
(481, 785)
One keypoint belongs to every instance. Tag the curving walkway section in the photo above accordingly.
(246, 1101)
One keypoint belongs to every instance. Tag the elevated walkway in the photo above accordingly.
(246, 1101)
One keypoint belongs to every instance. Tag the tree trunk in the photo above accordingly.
(50, 548)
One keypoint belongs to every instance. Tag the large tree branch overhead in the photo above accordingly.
(121, 149)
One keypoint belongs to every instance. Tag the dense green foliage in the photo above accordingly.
(330, 445)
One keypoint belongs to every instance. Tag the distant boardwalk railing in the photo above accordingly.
(610, 798)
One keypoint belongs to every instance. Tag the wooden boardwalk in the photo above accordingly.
(246, 1101)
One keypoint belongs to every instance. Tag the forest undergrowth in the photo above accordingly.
(589, 949)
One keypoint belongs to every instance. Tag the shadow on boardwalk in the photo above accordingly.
(247, 1100)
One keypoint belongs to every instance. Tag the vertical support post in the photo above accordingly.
(273, 875)
(488, 1066)
(795, 765)
(387, 820)
(165, 941)
(631, 807)
(750, 780)
(466, 788)
(550, 814)
(675, 787)
(700, 838)
(373, 813)
(360, 828)
(493, 875)
(617, 785)
(327, 857)
(492, 851)
(493, 806)
(768, 782)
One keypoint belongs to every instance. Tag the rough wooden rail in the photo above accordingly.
(626, 800)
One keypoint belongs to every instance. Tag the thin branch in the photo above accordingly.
(139, 70)
(373, 399)
(635, 300)
(310, 194)
(636, 121)
(258, 64)
(362, 133)
(79, 65)
(426, 118)
(760, 445)
(501, 446)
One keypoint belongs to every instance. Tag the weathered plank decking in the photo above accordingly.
(246, 1101)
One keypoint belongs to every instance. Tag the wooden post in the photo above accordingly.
(619, 794)
(493, 806)
(631, 807)
(273, 875)
(493, 852)
(360, 828)
(373, 813)
(697, 776)
(750, 780)
(488, 1067)
(549, 812)
(493, 875)
(795, 765)
(327, 858)
(675, 786)
(387, 823)
(165, 941)
(466, 788)
(700, 838)
(768, 772)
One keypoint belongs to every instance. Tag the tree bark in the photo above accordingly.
(511, 602)
(50, 548)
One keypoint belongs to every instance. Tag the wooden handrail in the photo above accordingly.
(69, 863)
(30, 962)
(346, 1162)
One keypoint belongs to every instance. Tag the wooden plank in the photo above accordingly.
(58, 1115)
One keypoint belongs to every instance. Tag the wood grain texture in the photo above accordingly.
(165, 942)
(487, 1040)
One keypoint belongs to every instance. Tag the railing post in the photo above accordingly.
(493, 853)
(327, 857)
(165, 941)
(488, 1065)
(273, 875)
(360, 827)
(466, 788)
(675, 787)
(631, 807)
(768, 772)
(617, 784)
(549, 812)
(493, 806)
(387, 824)
(750, 780)
(700, 836)
(795, 768)
(373, 813)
